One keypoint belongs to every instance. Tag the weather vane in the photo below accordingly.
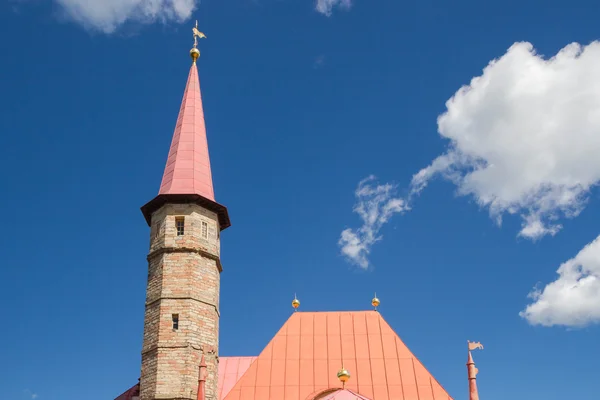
(197, 34)
(474, 345)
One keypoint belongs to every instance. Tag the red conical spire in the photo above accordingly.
(472, 371)
(187, 177)
(188, 166)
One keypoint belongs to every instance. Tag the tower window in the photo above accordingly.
(204, 229)
(180, 225)
(175, 321)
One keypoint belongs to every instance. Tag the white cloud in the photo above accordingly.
(525, 136)
(573, 299)
(108, 15)
(375, 205)
(326, 6)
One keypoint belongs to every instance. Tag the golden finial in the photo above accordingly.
(194, 52)
(343, 375)
(375, 302)
(295, 303)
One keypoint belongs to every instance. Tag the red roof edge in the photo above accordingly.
(130, 393)
(432, 377)
(149, 208)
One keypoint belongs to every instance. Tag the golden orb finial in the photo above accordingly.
(375, 302)
(343, 375)
(194, 53)
(295, 302)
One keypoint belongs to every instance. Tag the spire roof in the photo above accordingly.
(188, 166)
(188, 177)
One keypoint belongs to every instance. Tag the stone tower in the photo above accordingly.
(181, 321)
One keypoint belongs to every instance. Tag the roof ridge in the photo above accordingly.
(221, 357)
(336, 312)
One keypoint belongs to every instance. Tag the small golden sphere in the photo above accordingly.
(375, 302)
(194, 53)
(295, 303)
(343, 375)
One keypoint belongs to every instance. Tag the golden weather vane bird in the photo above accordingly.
(197, 34)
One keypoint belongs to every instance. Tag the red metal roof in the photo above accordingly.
(188, 166)
(303, 359)
(231, 370)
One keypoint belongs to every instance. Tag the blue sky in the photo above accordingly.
(303, 104)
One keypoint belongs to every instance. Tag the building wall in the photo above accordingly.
(183, 279)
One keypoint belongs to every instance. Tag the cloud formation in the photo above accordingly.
(573, 299)
(326, 6)
(525, 136)
(107, 15)
(375, 204)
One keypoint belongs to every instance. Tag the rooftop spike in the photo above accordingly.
(472, 371)
(202, 379)
(343, 375)
(375, 302)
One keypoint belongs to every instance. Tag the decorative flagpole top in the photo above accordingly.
(295, 303)
(343, 375)
(194, 52)
(472, 370)
(375, 302)
(474, 345)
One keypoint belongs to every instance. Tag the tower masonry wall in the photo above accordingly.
(183, 280)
